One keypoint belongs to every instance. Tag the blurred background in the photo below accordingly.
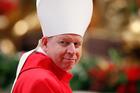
(111, 52)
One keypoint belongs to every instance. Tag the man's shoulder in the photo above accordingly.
(39, 75)
(34, 61)
(36, 68)
(38, 79)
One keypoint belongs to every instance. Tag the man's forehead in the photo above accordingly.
(69, 37)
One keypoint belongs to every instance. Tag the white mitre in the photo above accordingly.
(64, 16)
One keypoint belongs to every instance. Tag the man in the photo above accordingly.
(46, 68)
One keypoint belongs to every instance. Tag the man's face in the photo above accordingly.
(65, 50)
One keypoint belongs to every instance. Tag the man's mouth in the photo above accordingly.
(70, 58)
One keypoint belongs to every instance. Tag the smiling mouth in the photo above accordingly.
(69, 59)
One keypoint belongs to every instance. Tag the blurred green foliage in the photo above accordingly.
(104, 75)
(81, 79)
(8, 65)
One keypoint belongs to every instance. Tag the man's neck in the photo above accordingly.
(39, 49)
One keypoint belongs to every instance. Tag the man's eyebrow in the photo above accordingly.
(69, 39)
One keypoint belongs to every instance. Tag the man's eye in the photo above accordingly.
(77, 44)
(63, 43)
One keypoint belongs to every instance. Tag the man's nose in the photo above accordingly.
(71, 49)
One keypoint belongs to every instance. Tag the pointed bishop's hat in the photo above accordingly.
(64, 16)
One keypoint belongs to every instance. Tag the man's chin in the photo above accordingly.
(68, 67)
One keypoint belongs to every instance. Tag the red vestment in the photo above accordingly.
(40, 75)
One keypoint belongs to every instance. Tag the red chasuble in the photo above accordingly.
(40, 75)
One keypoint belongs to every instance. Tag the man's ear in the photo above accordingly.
(44, 42)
